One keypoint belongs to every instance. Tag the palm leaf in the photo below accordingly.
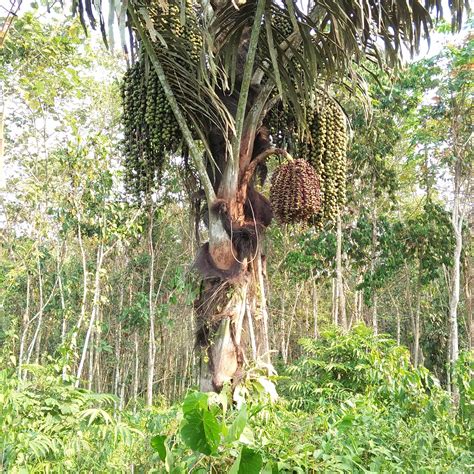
(328, 43)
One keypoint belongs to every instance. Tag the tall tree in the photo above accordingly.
(219, 74)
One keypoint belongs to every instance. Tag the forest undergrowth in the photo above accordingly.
(351, 403)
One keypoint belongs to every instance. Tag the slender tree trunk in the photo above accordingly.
(34, 342)
(375, 324)
(340, 294)
(90, 372)
(282, 328)
(315, 304)
(417, 328)
(118, 341)
(151, 298)
(335, 308)
(95, 308)
(457, 221)
(118, 358)
(468, 278)
(64, 320)
(26, 324)
(136, 350)
(299, 290)
(2, 156)
(397, 312)
(259, 269)
(84, 292)
(356, 315)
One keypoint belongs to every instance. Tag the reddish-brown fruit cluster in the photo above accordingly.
(295, 192)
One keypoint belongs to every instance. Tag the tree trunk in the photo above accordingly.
(136, 352)
(85, 276)
(315, 301)
(416, 334)
(2, 157)
(35, 340)
(64, 321)
(335, 308)
(457, 221)
(299, 290)
(151, 309)
(95, 309)
(468, 278)
(397, 312)
(340, 294)
(375, 324)
(26, 324)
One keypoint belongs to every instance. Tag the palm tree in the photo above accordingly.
(224, 69)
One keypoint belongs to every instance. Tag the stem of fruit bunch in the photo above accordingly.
(259, 159)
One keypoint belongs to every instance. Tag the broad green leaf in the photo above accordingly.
(248, 462)
(212, 429)
(201, 431)
(238, 425)
(194, 401)
(158, 444)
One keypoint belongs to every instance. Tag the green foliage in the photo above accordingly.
(337, 366)
(464, 380)
(209, 435)
(370, 409)
(352, 403)
(47, 425)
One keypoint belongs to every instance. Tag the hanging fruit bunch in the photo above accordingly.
(326, 151)
(151, 132)
(295, 192)
(314, 189)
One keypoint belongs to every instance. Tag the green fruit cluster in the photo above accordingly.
(187, 31)
(326, 151)
(282, 25)
(295, 192)
(151, 132)
(150, 129)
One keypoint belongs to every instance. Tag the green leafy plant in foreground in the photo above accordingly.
(211, 436)
(48, 425)
(351, 404)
